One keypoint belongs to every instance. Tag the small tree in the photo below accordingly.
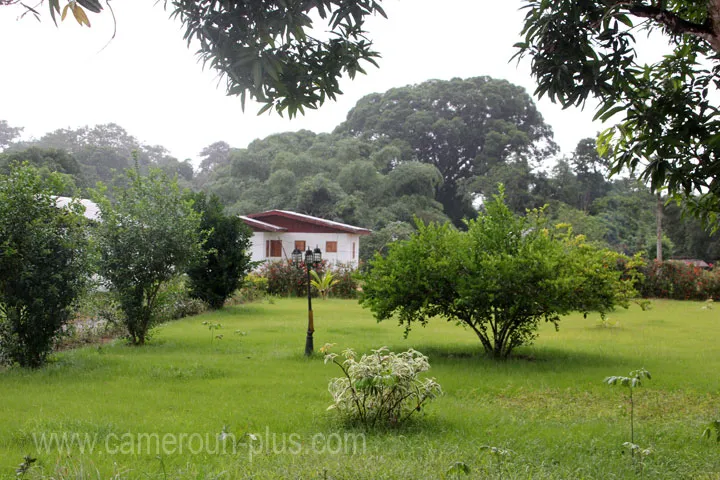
(634, 379)
(226, 260)
(44, 264)
(148, 236)
(500, 278)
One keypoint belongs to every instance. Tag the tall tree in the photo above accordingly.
(8, 134)
(227, 257)
(213, 156)
(667, 112)
(462, 127)
(591, 170)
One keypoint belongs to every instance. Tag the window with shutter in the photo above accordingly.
(276, 248)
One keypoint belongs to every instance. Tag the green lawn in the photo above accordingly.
(549, 408)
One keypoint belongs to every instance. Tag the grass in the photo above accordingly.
(548, 408)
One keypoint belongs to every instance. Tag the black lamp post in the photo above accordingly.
(312, 259)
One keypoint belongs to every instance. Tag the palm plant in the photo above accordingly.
(323, 284)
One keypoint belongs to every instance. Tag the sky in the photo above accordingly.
(149, 82)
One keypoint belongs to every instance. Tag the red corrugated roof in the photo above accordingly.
(257, 224)
(343, 227)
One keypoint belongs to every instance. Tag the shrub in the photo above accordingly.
(44, 265)
(227, 259)
(381, 387)
(175, 301)
(98, 317)
(286, 279)
(679, 281)
(146, 237)
(500, 278)
(254, 287)
(347, 284)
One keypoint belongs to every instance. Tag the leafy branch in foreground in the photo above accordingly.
(381, 387)
(265, 49)
(666, 113)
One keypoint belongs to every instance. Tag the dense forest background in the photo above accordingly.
(432, 151)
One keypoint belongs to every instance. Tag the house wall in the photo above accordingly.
(344, 241)
(257, 247)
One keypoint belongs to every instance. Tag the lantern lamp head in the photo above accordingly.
(296, 257)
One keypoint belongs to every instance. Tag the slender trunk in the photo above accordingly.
(659, 232)
(632, 423)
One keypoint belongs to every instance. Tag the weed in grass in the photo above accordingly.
(712, 429)
(642, 454)
(213, 327)
(498, 457)
(456, 469)
(25, 466)
(633, 380)
(644, 304)
(607, 322)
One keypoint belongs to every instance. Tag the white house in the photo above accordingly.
(92, 210)
(276, 233)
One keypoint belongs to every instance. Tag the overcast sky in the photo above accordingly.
(150, 83)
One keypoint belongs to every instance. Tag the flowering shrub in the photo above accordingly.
(381, 387)
(254, 287)
(680, 281)
(286, 279)
(347, 285)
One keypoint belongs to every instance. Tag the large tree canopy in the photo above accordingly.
(462, 127)
(669, 123)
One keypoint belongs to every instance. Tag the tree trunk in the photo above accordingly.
(714, 20)
(659, 217)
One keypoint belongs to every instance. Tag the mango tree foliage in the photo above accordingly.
(44, 264)
(286, 54)
(462, 127)
(666, 113)
(271, 50)
(500, 278)
(147, 237)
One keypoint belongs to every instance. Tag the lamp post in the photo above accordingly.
(312, 259)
